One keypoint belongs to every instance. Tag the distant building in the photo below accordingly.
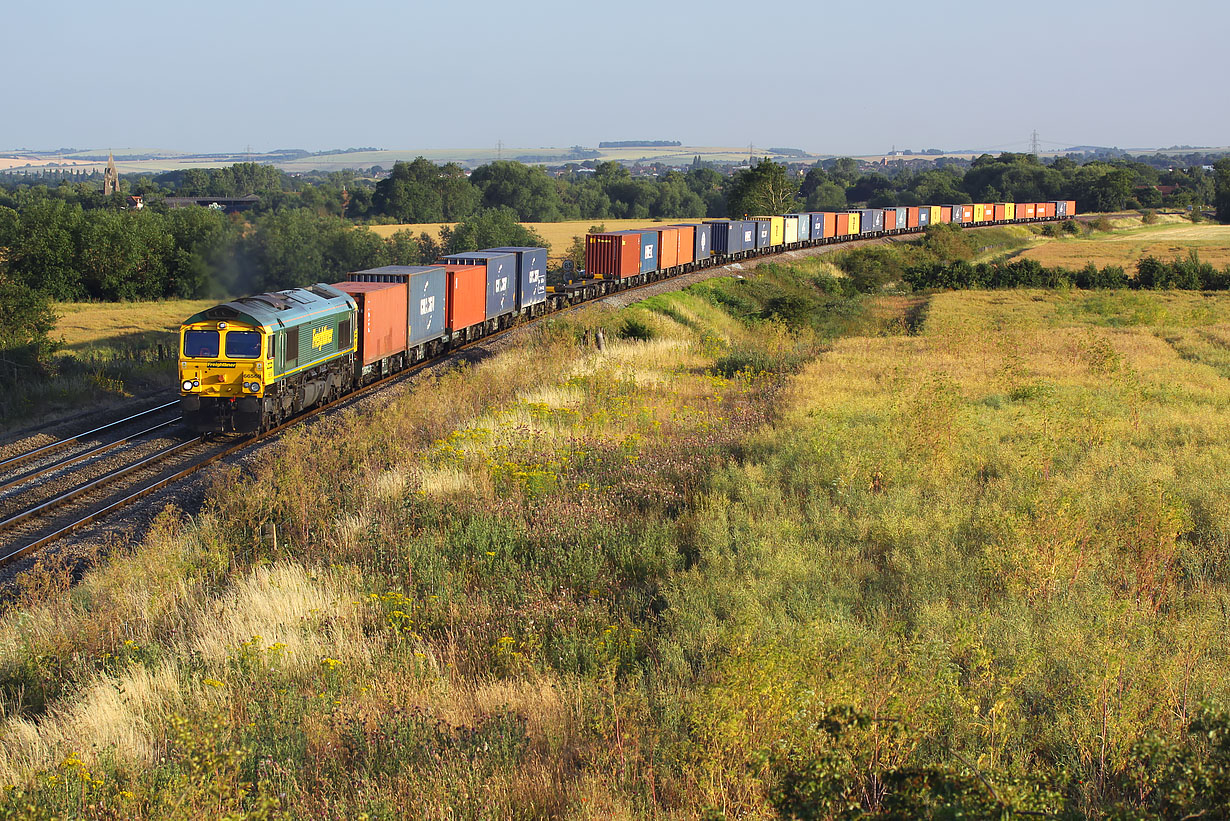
(229, 205)
(135, 202)
(111, 177)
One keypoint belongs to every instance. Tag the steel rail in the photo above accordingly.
(21, 457)
(63, 463)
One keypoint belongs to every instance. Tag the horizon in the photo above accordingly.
(382, 74)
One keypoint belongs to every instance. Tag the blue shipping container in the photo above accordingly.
(924, 216)
(531, 274)
(649, 250)
(501, 278)
(819, 221)
(425, 300)
(871, 220)
(763, 228)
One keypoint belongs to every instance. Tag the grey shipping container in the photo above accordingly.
(1061, 208)
(820, 221)
(531, 274)
(425, 301)
(763, 232)
(870, 220)
(804, 226)
(924, 216)
(702, 241)
(501, 278)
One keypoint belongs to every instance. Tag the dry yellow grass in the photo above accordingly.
(82, 324)
(1126, 248)
(557, 234)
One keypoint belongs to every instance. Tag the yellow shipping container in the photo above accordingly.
(777, 229)
(979, 212)
(935, 214)
(1010, 210)
(792, 230)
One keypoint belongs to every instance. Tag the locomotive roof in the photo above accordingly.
(277, 309)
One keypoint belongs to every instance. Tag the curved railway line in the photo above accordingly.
(44, 499)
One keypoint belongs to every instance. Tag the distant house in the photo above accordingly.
(135, 202)
(230, 205)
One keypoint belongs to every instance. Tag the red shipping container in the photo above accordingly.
(945, 213)
(687, 243)
(614, 255)
(911, 217)
(890, 219)
(1001, 211)
(843, 225)
(382, 317)
(467, 296)
(668, 248)
(1024, 210)
(1050, 208)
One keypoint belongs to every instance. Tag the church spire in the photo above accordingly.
(111, 177)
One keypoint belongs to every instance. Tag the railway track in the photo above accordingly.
(97, 478)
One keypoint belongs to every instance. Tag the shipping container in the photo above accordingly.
(979, 212)
(649, 251)
(1025, 210)
(382, 318)
(1049, 207)
(934, 218)
(467, 297)
(804, 226)
(764, 231)
(687, 243)
(911, 217)
(613, 255)
(1061, 208)
(501, 278)
(426, 288)
(701, 242)
(531, 274)
(790, 229)
(871, 220)
(1071, 207)
(890, 219)
(945, 213)
(668, 246)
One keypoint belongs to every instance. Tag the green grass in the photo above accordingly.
(781, 550)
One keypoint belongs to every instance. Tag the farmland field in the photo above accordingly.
(1128, 246)
(83, 325)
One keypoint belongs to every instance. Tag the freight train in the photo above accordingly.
(250, 364)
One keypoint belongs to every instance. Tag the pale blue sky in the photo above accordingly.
(823, 76)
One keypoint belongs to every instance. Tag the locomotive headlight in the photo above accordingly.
(196, 383)
(252, 386)
(187, 385)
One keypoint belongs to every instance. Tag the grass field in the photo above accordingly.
(1128, 245)
(962, 551)
(85, 325)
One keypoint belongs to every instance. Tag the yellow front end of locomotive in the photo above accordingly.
(224, 360)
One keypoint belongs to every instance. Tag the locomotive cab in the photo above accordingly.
(224, 367)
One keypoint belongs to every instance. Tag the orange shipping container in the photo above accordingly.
(911, 217)
(890, 219)
(1071, 207)
(668, 248)
(828, 229)
(1050, 208)
(382, 317)
(945, 213)
(467, 296)
(1024, 210)
(843, 225)
(614, 255)
(1001, 212)
(687, 243)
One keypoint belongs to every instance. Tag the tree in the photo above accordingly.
(765, 188)
(26, 323)
(827, 196)
(528, 191)
(1221, 189)
(491, 228)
